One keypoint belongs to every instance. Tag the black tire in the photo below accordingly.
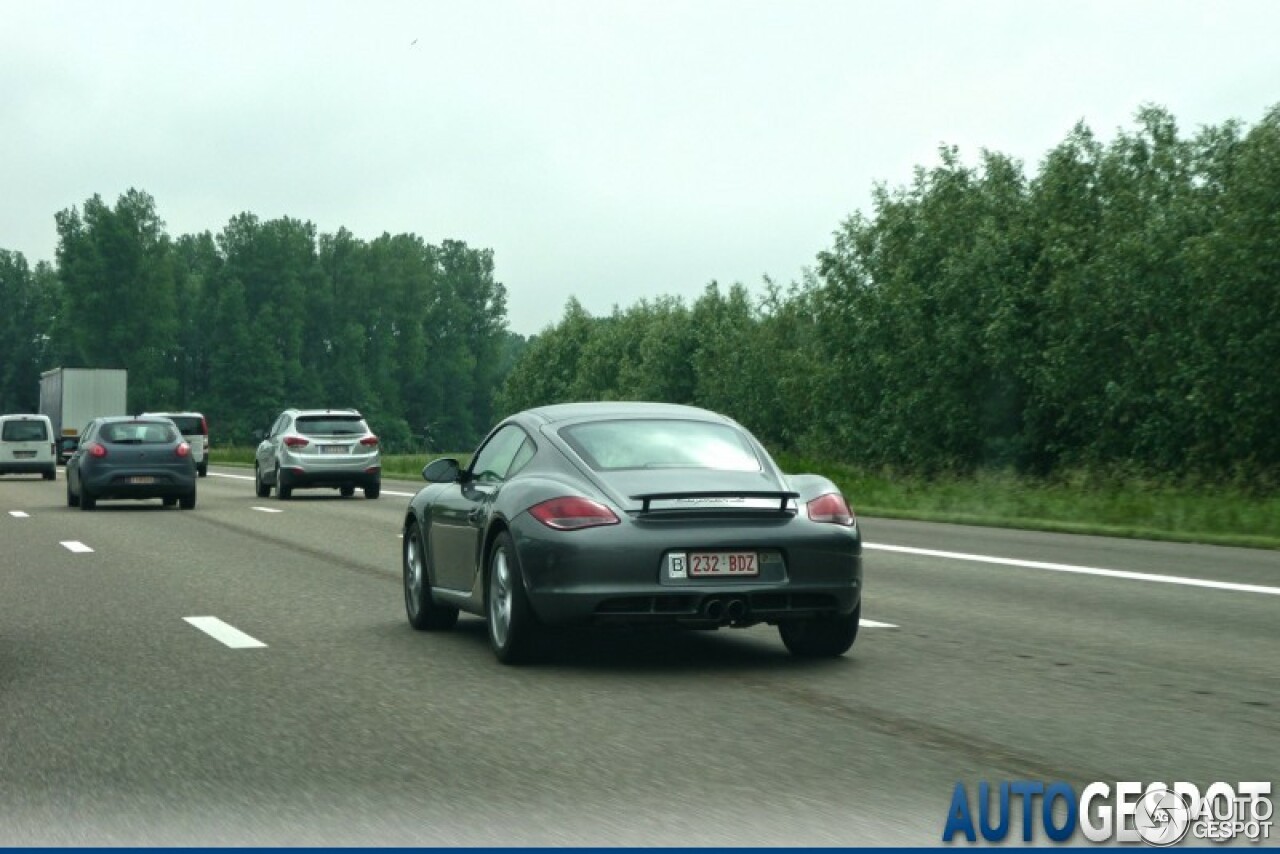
(514, 632)
(50, 474)
(169, 501)
(373, 490)
(425, 614)
(87, 501)
(283, 492)
(347, 491)
(188, 502)
(203, 469)
(263, 489)
(821, 637)
(73, 500)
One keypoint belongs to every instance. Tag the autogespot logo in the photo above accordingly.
(1155, 813)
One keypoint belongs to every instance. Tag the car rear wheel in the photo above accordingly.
(169, 501)
(425, 614)
(73, 500)
(283, 492)
(513, 628)
(188, 502)
(203, 469)
(87, 501)
(50, 474)
(373, 490)
(347, 491)
(821, 637)
(262, 489)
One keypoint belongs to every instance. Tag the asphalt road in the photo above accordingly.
(123, 723)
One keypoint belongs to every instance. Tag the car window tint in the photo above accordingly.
(522, 457)
(188, 425)
(331, 425)
(495, 458)
(649, 444)
(139, 432)
(24, 431)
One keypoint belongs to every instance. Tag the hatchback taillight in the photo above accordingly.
(295, 442)
(573, 513)
(97, 450)
(830, 508)
(183, 450)
(369, 441)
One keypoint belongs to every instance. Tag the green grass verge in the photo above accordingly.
(1072, 504)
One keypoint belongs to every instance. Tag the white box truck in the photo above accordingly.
(72, 397)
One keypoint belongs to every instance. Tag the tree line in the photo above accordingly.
(1117, 311)
(263, 315)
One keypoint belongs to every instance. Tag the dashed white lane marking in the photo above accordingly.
(247, 477)
(268, 509)
(225, 634)
(1083, 570)
(75, 546)
(19, 514)
(872, 624)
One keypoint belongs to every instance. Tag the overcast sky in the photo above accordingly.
(604, 149)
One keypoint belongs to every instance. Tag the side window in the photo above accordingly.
(522, 457)
(278, 427)
(494, 459)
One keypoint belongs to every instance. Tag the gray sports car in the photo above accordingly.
(590, 513)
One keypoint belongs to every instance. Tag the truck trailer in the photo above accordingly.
(72, 397)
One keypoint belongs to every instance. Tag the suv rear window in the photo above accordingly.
(655, 444)
(139, 433)
(188, 425)
(24, 431)
(331, 425)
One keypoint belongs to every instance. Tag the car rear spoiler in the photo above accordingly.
(696, 497)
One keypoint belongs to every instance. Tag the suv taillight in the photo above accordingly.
(830, 508)
(572, 513)
(369, 441)
(97, 450)
(295, 442)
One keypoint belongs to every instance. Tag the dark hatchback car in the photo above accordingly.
(597, 513)
(123, 457)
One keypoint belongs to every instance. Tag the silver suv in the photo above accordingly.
(318, 447)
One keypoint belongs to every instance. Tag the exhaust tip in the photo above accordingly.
(713, 609)
(735, 610)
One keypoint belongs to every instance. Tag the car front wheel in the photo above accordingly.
(262, 489)
(514, 632)
(424, 613)
(821, 637)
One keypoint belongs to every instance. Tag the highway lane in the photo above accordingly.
(121, 723)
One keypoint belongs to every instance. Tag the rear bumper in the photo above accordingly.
(166, 484)
(295, 479)
(27, 466)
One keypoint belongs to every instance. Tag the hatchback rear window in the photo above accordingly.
(331, 425)
(139, 433)
(188, 425)
(655, 444)
(24, 431)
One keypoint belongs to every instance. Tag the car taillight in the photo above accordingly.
(183, 450)
(204, 427)
(96, 450)
(830, 508)
(572, 513)
(295, 442)
(369, 441)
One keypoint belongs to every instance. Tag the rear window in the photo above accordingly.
(24, 431)
(188, 425)
(656, 444)
(139, 433)
(331, 425)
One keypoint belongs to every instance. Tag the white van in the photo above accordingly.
(195, 429)
(27, 446)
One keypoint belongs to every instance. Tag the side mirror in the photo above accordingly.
(443, 470)
(258, 435)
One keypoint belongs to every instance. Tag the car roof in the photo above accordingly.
(168, 414)
(608, 409)
(24, 415)
(354, 412)
(116, 419)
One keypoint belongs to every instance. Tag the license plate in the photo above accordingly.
(333, 449)
(142, 479)
(713, 564)
(23, 455)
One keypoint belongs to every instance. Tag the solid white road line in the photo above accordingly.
(75, 546)
(872, 624)
(268, 509)
(247, 477)
(1083, 570)
(18, 514)
(228, 635)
